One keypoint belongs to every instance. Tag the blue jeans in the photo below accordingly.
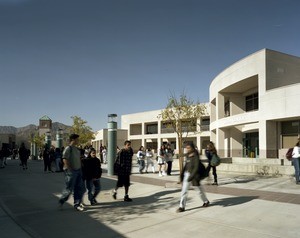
(93, 186)
(74, 183)
(141, 165)
(296, 163)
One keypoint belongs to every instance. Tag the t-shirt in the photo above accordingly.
(72, 155)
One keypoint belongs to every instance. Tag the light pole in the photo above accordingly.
(48, 139)
(59, 138)
(111, 143)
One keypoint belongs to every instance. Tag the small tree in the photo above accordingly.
(81, 128)
(181, 115)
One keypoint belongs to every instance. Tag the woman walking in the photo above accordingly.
(141, 159)
(149, 157)
(91, 175)
(296, 162)
(191, 175)
(24, 155)
(169, 154)
(161, 161)
(209, 152)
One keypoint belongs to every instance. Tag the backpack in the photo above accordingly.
(202, 171)
(289, 154)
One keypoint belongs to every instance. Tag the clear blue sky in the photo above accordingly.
(92, 57)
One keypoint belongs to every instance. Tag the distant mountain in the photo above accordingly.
(24, 133)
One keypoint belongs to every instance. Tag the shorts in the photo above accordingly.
(161, 161)
(123, 180)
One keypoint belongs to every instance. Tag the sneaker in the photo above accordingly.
(215, 183)
(180, 210)
(164, 174)
(114, 195)
(79, 207)
(206, 204)
(127, 199)
(160, 175)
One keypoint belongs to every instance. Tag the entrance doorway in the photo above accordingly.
(251, 145)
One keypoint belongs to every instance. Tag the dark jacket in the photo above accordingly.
(192, 166)
(125, 161)
(91, 168)
(24, 153)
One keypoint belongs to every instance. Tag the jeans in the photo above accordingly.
(214, 172)
(141, 165)
(169, 168)
(74, 183)
(185, 189)
(57, 163)
(150, 163)
(296, 163)
(93, 186)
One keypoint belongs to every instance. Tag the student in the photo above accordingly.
(141, 159)
(209, 152)
(91, 168)
(73, 174)
(57, 156)
(190, 175)
(161, 161)
(24, 155)
(104, 154)
(149, 157)
(47, 161)
(169, 159)
(296, 162)
(125, 160)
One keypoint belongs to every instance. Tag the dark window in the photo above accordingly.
(227, 108)
(151, 129)
(252, 102)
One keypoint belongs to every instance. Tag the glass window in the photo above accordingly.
(252, 102)
(151, 129)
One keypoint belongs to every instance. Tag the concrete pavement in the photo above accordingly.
(242, 206)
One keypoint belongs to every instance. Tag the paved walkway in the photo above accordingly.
(241, 206)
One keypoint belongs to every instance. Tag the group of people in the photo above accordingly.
(22, 152)
(145, 159)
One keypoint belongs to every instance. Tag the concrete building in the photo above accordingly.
(254, 106)
(8, 140)
(147, 129)
(101, 138)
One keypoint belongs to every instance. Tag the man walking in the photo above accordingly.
(73, 174)
(124, 171)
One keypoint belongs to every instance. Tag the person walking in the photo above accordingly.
(5, 154)
(296, 162)
(141, 159)
(161, 161)
(169, 159)
(125, 161)
(190, 175)
(47, 161)
(209, 152)
(104, 154)
(73, 174)
(149, 158)
(1, 159)
(91, 169)
(24, 155)
(58, 161)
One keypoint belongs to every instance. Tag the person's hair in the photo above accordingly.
(149, 148)
(212, 147)
(141, 147)
(192, 145)
(127, 142)
(90, 151)
(298, 144)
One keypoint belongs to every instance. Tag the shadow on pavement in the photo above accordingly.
(233, 201)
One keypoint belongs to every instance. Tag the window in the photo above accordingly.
(227, 108)
(252, 102)
(151, 129)
(205, 122)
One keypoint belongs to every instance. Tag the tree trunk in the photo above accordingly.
(180, 151)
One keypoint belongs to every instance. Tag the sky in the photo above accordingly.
(91, 58)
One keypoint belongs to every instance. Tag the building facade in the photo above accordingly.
(101, 138)
(148, 130)
(254, 106)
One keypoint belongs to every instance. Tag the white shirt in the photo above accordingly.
(296, 152)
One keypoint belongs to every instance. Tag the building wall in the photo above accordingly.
(276, 78)
(136, 124)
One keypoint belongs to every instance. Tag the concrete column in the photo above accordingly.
(220, 142)
(262, 139)
(272, 139)
(220, 106)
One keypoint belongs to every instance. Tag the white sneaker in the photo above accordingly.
(79, 208)
(160, 175)
(164, 173)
